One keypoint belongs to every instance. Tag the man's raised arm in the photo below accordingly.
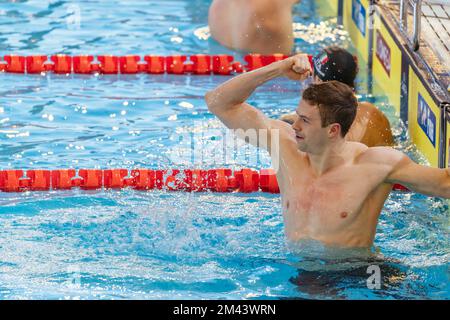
(227, 101)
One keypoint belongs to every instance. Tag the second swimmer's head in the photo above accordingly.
(335, 63)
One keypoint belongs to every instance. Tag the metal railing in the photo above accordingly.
(417, 15)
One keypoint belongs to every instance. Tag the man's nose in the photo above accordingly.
(297, 125)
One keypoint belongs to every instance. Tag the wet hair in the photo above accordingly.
(336, 63)
(336, 102)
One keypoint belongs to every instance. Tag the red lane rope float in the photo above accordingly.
(199, 64)
(192, 180)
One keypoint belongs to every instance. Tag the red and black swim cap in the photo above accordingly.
(335, 63)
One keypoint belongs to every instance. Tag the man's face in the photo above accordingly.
(310, 135)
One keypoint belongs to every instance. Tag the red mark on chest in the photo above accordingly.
(287, 205)
(344, 214)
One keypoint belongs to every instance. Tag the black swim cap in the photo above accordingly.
(335, 63)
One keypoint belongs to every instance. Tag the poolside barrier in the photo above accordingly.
(199, 64)
(192, 180)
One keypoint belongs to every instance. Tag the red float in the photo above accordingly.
(168, 180)
(61, 64)
(196, 180)
(114, 178)
(399, 187)
(222, 64)
(143, 179)
(201, 64)
(82, 64)
(62, 179)
(91, 178)
(266, 60)
(109, 64)
(36, 64)
(130, 64)
(175, 64)
(155, 64)
(9, 180)
(268, 181)
(39, 180)
(15, 64)
(254, 61)
(248, 180)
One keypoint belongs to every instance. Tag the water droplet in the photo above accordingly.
(186, 105)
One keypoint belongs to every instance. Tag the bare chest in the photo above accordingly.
(327, 204)
(321, 203)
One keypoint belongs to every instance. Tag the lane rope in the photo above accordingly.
(199, 64)
(244, 180)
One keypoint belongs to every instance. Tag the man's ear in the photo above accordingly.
(335, 130)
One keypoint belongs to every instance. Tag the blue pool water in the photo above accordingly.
(151, 245)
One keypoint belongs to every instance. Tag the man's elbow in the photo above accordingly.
(210, 99)
(442, 188)
(446, 194)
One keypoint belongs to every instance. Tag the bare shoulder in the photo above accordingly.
(381, 155)
(355, 148)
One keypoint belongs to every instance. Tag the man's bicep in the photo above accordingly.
(404, 171)
(254, 126)
(244, 116)
(419, 178)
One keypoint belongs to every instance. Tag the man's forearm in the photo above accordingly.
(238, 89)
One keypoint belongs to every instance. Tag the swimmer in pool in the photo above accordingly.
(261, 26)
(370, 126)
(332, 190)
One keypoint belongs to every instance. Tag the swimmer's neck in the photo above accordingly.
(328, 157)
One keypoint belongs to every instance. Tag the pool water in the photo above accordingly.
(151, 245)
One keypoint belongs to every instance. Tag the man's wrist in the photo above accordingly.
(275, 69)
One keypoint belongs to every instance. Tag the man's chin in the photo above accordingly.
(302, 146)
